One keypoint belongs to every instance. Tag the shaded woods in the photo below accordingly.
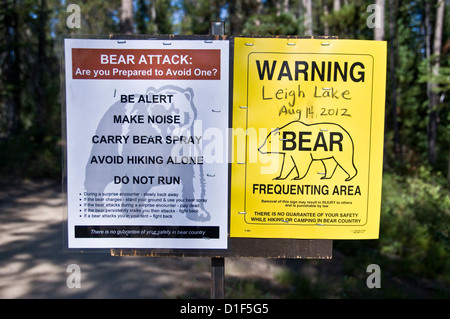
(415, 209)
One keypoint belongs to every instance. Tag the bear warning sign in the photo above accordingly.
(146, 131)
(308, 117)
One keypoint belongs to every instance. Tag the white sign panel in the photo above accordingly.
(146, 126)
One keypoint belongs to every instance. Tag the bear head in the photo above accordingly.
(267, 147)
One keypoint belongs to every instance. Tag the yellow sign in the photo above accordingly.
(308, 119)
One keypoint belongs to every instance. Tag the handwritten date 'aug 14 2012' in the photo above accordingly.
(289, 98)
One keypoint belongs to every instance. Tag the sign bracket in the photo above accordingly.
(217, 263)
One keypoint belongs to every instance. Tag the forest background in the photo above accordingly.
(414, 233)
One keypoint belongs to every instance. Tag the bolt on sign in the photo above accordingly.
(146, 131)
(308, 117)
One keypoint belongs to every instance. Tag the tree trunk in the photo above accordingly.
(336, 5)
(235, 16)
(392, 56)
(433, 95)
(126, 17)
(326, 28)
(285, 6)
(40, 78)
(379, 25)
(307, 4)
(12, 68)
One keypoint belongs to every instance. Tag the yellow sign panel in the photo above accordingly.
(308, 118)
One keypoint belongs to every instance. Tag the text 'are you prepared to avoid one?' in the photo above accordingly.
(146, 64)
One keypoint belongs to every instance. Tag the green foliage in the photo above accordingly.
(408, 75)
(198, 14)
(415, 219)
(154, 17)
(31, 154)
(349, 22)
(237, 288)
(285, 24)
(97, 17)
(300, 285)
(29, 89)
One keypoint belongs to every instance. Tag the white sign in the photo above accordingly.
(146, 126)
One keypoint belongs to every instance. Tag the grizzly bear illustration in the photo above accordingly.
(301, 144)
(177, 102)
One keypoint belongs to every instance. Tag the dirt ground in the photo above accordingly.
(33, 263)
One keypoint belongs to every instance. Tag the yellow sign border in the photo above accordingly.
(244, 48)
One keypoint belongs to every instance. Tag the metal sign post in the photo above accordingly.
(217, 263)
(217, 278)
